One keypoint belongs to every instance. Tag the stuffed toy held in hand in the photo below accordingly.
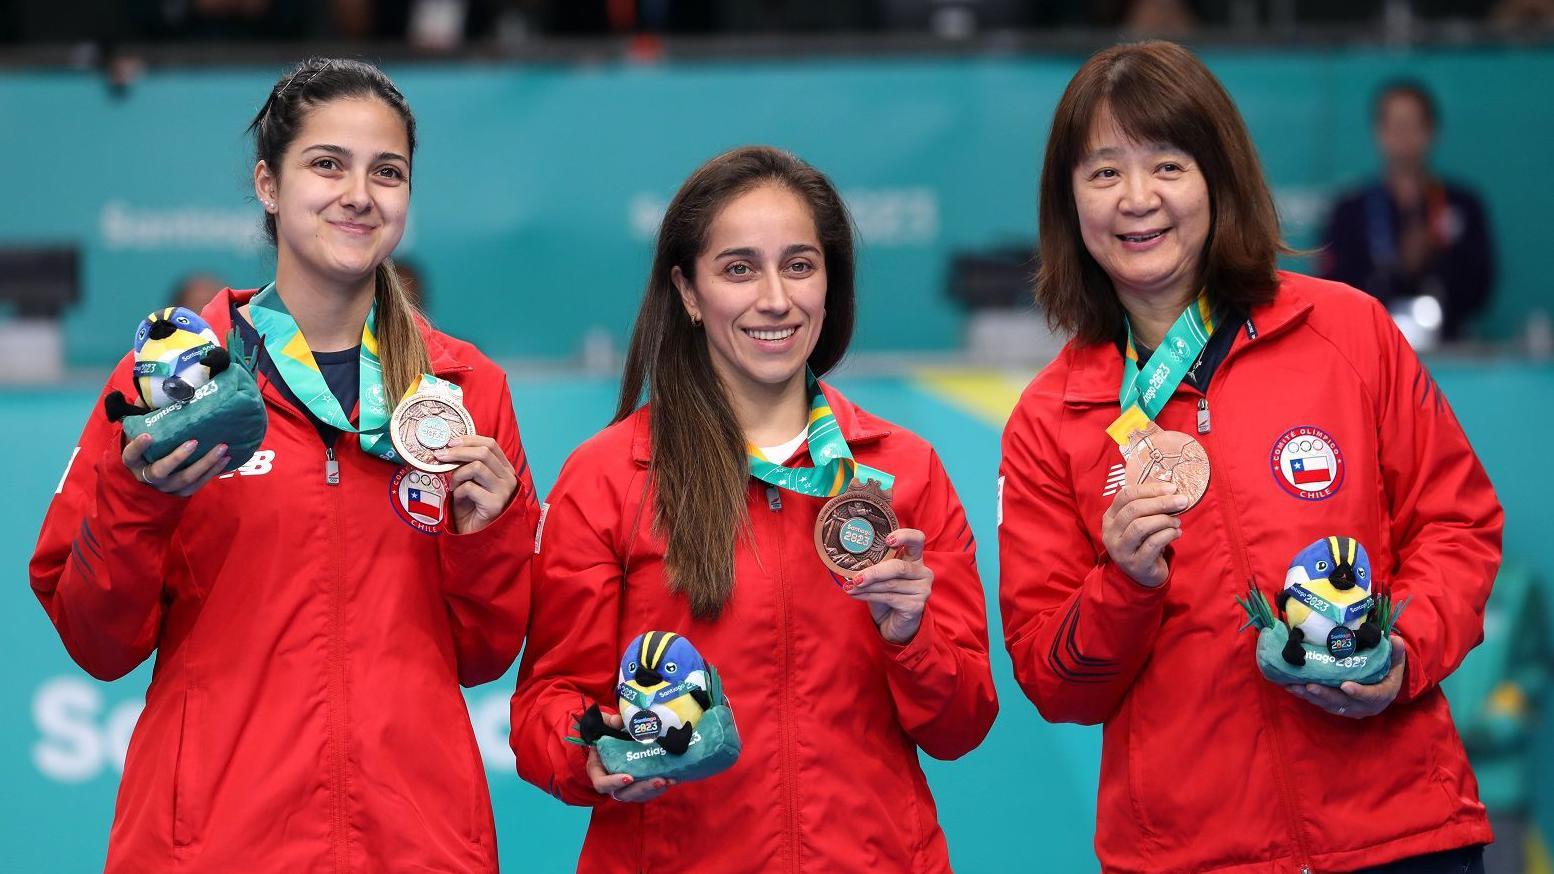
(1327, 599)
(176, 352)
(1334, 630)
(662, 691)
(189, 390)
(675, 720)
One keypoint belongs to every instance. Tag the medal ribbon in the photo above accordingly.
(1145, 391)
(834, 467)
(289, 350)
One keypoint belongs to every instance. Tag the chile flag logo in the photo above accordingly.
(1307, 463)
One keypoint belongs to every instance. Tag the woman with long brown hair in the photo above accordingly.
(695, 512)
(1260, 411)
(315, 610)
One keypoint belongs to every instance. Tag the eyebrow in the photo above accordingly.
(752, 252)
(1108, 152)
(343, 152)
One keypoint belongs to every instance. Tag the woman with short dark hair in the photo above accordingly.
(1260, 410)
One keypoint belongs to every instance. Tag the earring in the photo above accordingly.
(695, 321)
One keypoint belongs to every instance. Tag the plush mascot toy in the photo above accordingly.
(188, 389)
(1327, 599)
(1334, 629)
(676, 722)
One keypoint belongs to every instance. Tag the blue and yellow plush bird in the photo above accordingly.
(1327, 599)
(176, 352)
(663, 690)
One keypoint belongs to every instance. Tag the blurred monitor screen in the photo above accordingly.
(39, 281)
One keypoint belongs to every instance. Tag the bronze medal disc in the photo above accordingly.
(1169, 457)
(851, 528)
(424, 423)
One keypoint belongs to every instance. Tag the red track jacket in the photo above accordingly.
(830, 715)
(1206, 766)
(304, 713)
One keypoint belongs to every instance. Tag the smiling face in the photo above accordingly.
(341, 191)
(759, 288)
(1144, 213)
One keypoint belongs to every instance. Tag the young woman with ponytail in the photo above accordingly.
(315, 612)
(667, 521)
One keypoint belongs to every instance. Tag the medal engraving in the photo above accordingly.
(851, 528)
(426, 422)
(1168, 457)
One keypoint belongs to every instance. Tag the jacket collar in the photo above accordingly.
(858, 426)
(445, 360)
(1095, 369)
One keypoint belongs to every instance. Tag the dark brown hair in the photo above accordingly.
(312, 84)
(699, 468)
(1158, 92)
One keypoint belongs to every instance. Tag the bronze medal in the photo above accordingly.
(851, 528)
(425, 422)
(1168, 457)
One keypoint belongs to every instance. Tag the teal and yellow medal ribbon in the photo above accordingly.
(288, 349)
(834, 468)
(1145, 390)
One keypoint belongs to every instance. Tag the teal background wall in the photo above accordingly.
(62, 734)
(538, 189)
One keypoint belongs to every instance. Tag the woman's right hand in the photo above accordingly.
(1138, 527)
(164, 475)
(622, 787)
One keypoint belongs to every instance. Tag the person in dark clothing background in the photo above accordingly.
(1410, 233)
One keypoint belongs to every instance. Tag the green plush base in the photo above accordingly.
(714, 748)
(1365, 667)
(228, 409)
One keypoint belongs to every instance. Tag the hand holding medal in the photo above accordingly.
(855, 532)
(433, 432)
(1167, 471)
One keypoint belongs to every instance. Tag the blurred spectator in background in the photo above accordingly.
(1496, 697)
(1410, 236)
(195, 291)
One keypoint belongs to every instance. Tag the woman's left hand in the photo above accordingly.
(481, 485)
(897, 588)
(1355, 700)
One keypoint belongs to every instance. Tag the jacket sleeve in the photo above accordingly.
(485, 575)
(941, 680)
(1078, 628)
(1446, 521)
(572, 650)
(98, 565)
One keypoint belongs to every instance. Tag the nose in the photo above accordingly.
(356, 197)
(1139, 196)
(774, 298)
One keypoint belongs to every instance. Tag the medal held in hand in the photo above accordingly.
(1335, 628)
(1153, 454)
(851, 528)
(428, 419)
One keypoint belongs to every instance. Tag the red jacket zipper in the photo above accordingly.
(1231, 517)
(340, 708)
(774, 506)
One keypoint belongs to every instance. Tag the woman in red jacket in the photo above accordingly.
(671, 519)
(315, 612)
(1298, 412)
